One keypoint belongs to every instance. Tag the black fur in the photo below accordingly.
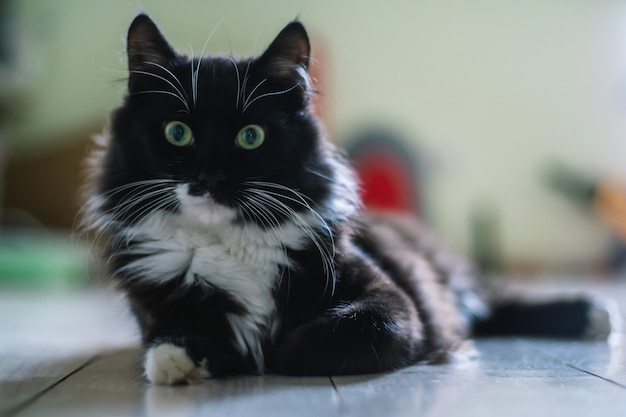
(396, 295)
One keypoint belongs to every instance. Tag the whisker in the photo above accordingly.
(245, 77)
(163, 92)
(301, 200)
(92, 211)
(171, 74)
(137, 184)
(258, 210)
(327, 255)
(159, 205)
(97, 219)
(245, 103)
(329, 179)
(193, 87)
(194, 74)
(238, 80)
(109, 220)
(179, 95)
(268, 94)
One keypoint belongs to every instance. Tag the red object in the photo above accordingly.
(387, 184)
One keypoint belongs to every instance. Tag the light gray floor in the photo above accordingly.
(76, 355)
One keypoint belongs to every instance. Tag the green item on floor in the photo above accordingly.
(41, 261)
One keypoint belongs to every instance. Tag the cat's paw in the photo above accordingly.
(168, 364)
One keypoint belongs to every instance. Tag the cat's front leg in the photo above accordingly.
(174, 357)
(190, 358)
(187, 338)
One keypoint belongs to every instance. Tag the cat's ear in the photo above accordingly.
(147, 49)
(287, 57)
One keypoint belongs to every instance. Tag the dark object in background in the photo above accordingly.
(485, 239)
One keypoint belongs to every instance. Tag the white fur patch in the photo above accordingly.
(168, 364)
(203, 243)
(604, 319)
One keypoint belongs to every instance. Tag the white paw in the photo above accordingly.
(168, 364)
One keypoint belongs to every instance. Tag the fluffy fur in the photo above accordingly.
(234, 227)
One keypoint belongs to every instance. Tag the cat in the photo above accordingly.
(234, 227)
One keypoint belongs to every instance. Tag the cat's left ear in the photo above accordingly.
(147, 50)
(287, 57)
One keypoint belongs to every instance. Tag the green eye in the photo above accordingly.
(251, 137)
(178, 133)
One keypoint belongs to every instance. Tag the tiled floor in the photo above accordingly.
(75, 355)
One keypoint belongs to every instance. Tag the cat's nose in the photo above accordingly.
(206, 183)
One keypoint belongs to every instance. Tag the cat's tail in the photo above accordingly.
(497, 308)
(580, 317)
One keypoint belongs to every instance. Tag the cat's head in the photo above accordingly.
(217, 138)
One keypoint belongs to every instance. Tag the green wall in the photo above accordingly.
(490, 90)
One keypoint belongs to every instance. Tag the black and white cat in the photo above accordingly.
(235, 229)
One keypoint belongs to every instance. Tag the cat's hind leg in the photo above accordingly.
(372, 334)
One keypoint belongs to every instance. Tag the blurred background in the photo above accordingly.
(501, 123)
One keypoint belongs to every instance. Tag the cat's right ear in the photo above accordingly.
(147, 50)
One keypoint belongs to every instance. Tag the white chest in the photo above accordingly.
(244, 261)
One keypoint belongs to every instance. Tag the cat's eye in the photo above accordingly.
(178, 133)
(251, 137)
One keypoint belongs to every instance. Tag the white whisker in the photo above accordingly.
(163, 92)
(327, 255)
(302, 200)
(179, 95)
(256, 209)
(102, 221)
(326, 177)
(268, 94)
(171, 74)
(245, 76)
(193, 87)
(245, 80)
(194, 74)
(245, 103)
(238, 80)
